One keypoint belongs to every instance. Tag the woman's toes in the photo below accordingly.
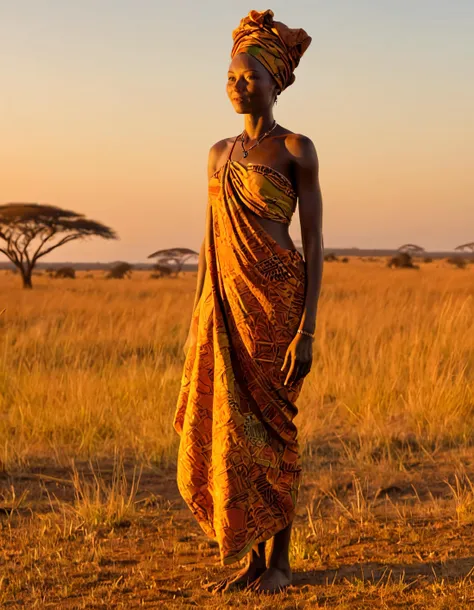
(243, 580)
(272, 580)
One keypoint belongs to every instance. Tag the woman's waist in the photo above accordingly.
(279, 231)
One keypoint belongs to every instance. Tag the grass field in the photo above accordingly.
(90, 516)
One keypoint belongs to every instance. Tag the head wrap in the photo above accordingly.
(275, 45)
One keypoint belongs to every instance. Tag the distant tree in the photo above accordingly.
(411, 249)
(402, 261)
(177, 256)
(469, 246)
(65, 272)
(331, 257)
(31, 230)
(119, 271)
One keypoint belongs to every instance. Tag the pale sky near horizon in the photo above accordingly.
(109, 108)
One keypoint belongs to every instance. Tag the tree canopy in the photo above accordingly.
(177, 256)
(29, 231)
(410, 248)
(469, 246)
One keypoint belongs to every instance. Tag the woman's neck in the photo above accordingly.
(257, 124)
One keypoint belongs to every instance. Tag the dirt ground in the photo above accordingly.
(409, 544)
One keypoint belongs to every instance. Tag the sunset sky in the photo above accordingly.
(109, 107)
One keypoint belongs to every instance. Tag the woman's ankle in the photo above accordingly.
(257, 556)
(280, 563)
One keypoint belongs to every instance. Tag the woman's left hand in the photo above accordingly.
(299, 357)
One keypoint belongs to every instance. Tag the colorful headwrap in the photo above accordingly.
(275, 45)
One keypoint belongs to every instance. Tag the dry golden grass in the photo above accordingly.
(89, 512)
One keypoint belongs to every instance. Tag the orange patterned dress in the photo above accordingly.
(239, 464)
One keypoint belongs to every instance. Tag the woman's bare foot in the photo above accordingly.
(238, 581)
(278, 575)
(256, 566)
(273, 580)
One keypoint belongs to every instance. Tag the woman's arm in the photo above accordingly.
(299, 354)
(214, 155)
(201, 274)
(311, 219)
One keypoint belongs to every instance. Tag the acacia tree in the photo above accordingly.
(177, 256)
(469, 246)
(411, 249)
(29, 231)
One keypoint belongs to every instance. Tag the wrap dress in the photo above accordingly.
(239, 464)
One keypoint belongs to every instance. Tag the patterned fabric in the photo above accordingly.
(275, 45)
(239, 463)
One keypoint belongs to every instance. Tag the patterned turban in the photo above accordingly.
(275, 45)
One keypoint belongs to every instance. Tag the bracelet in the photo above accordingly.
(305, 332)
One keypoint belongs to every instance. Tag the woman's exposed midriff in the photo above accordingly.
(277, 230)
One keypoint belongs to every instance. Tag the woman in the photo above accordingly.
(250, 342)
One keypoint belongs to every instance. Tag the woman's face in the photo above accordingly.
(250, 87)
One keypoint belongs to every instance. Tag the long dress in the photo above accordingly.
(239, 464)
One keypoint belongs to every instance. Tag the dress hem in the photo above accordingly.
(256, 540)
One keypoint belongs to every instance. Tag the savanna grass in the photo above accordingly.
(90, 366)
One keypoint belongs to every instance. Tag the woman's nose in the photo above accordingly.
(240, 85)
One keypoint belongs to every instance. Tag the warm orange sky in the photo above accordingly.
(109, 109)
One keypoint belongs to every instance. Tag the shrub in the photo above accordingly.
(65, 272)
(160, 270)
(457, 261)
(402, 260)
(119, 271)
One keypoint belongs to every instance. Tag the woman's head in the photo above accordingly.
(261, 43)
(250, 87)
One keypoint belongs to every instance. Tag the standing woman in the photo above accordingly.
(250, 341)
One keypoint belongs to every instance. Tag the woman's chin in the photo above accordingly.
(241, 108)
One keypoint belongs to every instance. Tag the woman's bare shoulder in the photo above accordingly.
(217, 151)
(301, 148)
(221, 145)
(298, 143)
